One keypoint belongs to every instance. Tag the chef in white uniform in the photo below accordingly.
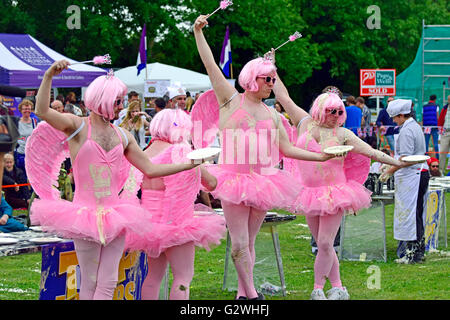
(411, 184)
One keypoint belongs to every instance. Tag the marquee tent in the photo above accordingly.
(190, 80)
(24, 60)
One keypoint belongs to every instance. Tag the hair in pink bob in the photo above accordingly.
(100, 97)
(328, 101)
(171, 125)
(251, 70)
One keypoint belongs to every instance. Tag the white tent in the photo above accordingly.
(192, 81)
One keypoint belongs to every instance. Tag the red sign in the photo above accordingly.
(377, 82)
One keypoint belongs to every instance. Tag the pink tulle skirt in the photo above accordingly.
(264, 192)
(348, 197)
(202, 228)
(75, 221)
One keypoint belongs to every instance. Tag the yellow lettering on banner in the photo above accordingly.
(68, 264)
(118, 292)
(128, 260)
(129, 291)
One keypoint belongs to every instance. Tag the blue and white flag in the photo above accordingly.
(225, 56)
(142, 55)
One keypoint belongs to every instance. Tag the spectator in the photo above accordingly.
(132, 96)
(7, 222)
(189, 101)
(366, 119)
(430, 119)
(60, 97)
(58, 106)
(26, 127)
(137, 122)
(281, 111)
(444, 122)
(433, 164)
(354, 115)
(83, 109)
(386, 126)
(160, 104)
(17, 197)
(177, 99)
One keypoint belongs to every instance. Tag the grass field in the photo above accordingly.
(20, 275)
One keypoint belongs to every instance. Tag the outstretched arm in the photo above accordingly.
(63, 122)
(291, 151)
(139, 159)
(223, 89)
(363, 148)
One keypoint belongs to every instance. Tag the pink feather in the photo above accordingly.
(225, 3)
(106, 59)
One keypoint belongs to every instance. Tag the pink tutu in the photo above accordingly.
(332, 186)
(264, 192)
(73, 220)
(348, 197)
(171, 213)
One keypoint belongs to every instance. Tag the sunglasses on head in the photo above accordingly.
(334, 111)
(268, 79)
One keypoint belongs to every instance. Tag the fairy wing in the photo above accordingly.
(205, 119)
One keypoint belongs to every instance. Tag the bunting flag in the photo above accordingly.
(225, 56)
(142, 55)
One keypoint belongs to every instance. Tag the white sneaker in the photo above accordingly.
(336, 293)
(317, 294)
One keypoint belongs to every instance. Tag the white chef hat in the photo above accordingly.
(175, 91)
(399, 106)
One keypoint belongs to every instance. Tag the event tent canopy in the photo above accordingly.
(190, 80)
(24, 60)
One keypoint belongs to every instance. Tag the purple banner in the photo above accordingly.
(25, 49)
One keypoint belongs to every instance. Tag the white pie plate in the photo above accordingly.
(8, 240)
(416, 158)
(36, 228)
(45, 240)
(338, 149)
(203, 153)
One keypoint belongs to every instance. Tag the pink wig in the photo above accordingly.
(171, 125)
(101, 95)
(254, 68)
(327, 101)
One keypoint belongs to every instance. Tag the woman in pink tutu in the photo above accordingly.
(97, 219)
(252, 138)
(332, 188)
(177, 229)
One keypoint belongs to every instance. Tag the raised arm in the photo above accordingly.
(282, 95)
(63, 122)
(223, 89)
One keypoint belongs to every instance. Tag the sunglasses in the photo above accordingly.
(435, 166)
(268, 79)
(334, 111)
(118, 102)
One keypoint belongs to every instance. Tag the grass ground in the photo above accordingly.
(20, 275)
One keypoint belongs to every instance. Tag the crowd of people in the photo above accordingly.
(157, 213)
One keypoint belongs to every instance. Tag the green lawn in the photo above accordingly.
(20, 275)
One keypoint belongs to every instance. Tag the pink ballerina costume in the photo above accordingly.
(245, 173)
(333, 186)
(96, 213)
(171, 211)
